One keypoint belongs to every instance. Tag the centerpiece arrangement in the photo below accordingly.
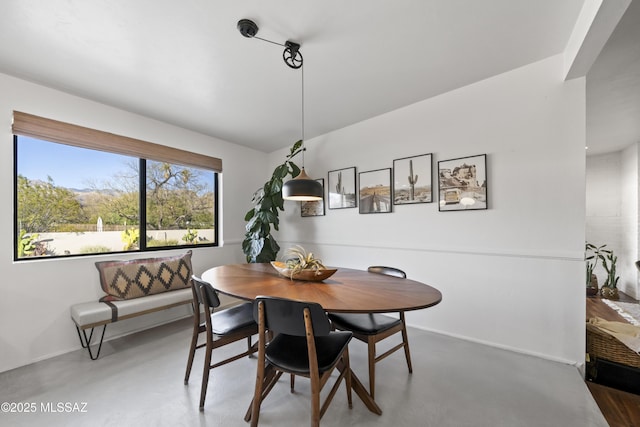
(300, 265)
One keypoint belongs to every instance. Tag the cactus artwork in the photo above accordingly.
(412, 181)
(340, 189)
(412, 178)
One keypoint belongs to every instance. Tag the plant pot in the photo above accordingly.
(609, 293)
(592, 286)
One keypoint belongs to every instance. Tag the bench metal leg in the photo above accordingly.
(86, 343)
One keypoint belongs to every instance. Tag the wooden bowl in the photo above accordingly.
(306, 275)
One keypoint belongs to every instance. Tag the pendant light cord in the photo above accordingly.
(303, 147)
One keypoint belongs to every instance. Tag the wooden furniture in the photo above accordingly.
(620, 408)
(221, 328)
(347, 291)
(304, 345)
(372, 328)
(609, 361)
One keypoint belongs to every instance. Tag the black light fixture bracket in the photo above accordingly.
(291, 55)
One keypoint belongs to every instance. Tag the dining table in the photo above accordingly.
(346, 291)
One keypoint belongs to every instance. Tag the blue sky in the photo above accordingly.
(70, 167)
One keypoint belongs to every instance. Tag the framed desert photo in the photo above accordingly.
(462, 183)
(375, 191)
(313, 208)
(342, 188)
(412, 180)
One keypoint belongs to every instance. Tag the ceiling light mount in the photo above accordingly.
(247, 28)
(291, 55)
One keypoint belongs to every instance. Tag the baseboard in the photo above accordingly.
(578, 364)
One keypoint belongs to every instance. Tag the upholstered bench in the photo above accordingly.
(133, 288)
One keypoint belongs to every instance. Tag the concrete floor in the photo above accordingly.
(138, 381)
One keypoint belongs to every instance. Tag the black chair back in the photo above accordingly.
(287, 316)
(389, 271)
(205, 293)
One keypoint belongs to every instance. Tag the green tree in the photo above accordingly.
(119, 207)
(175, 197)
(42, 206)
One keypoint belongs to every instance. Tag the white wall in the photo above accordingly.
(612, 211)
(35, 296)
(603, 203)
(511, 276)
(628, 254)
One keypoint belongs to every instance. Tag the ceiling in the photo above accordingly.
(613, 88)
(185, 62)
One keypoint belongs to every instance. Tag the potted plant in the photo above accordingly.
(258, 244)
(592, 257)
(610, 288)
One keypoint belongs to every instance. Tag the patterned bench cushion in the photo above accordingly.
(123, 280)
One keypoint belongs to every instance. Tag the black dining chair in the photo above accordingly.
(303, 344)
(220, 327)
(372, 328)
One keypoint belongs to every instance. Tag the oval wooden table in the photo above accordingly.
(347, 291)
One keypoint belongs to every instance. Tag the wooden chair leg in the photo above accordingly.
(315, 402)
(347, 377)
(372, 366)
(192, 352)
(407, 353)
(205, 376)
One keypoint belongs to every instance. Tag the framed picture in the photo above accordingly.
(375, 191)
(313, 208)
(342, 188)
(462, 183)
(412, 180)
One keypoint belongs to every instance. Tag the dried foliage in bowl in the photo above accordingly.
(301, 265)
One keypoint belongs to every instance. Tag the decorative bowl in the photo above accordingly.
(309, 275)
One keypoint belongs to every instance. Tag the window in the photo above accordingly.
(80, 191)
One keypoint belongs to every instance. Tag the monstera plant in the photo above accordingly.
(258, 244)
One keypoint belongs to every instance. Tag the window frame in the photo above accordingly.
(77, 136)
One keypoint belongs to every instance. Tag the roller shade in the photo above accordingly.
(64, 133)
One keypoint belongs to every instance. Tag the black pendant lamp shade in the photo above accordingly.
(302, 188)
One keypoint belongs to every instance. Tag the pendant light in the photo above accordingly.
(302, 187)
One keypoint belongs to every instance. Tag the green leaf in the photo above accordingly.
(278, 201)
(281, 171)
(276, 187)
(249, 215)
(297, 147)
(295, 170)
(253, 225)
(267, 203)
